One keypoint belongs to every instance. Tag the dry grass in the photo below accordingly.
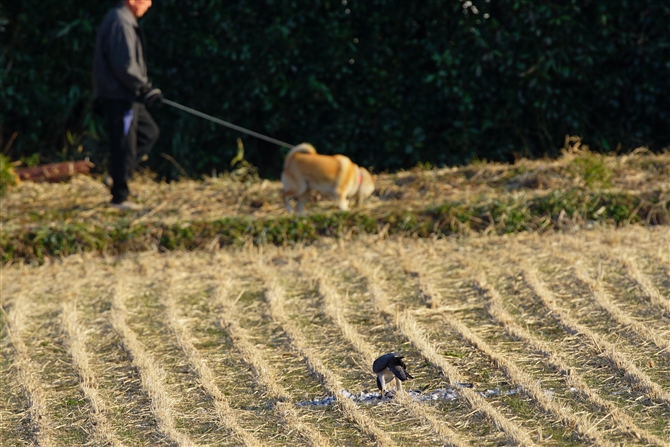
(428, 294)
(410, 329)
(26, 374)
(608, 303)
(225, 414)
(266, 374)
(650, 291)
(636, 376)
(152, 375)
(620, 419)
(583, 426)
(84, 200)
(275, 298)
(104, 433)
(41, 222)
(334, 307)
(226, 347)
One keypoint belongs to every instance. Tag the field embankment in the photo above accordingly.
(581, 189)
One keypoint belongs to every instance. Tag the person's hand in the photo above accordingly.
(152, 97)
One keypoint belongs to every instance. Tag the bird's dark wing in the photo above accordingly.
(383, 361)
(400, 372)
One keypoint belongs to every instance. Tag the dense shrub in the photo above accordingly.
(7, 176)
(388, 82)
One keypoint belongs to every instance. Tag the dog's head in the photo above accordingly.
(367, 186)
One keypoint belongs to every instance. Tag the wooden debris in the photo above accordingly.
(54, 172)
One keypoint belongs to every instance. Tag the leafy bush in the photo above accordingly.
(592, 169)
(389, 83)
(7, 176)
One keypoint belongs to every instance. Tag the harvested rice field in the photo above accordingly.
(559, 338)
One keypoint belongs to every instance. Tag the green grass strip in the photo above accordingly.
(557, 210)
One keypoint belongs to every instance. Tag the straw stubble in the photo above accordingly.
(152, 375)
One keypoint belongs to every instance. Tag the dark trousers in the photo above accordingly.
(132, 133)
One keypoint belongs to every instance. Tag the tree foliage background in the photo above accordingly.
(388, 82)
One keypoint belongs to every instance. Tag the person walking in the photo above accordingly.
(122, 92)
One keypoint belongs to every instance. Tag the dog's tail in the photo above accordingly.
(303, 148)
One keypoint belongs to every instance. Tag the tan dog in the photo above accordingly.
(334, 175)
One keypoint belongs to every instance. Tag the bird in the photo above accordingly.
(388, 367)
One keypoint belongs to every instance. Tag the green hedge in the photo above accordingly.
(389, 82)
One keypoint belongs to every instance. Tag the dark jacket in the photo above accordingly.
(119, 68)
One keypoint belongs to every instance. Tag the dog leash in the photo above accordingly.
(225, 123)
